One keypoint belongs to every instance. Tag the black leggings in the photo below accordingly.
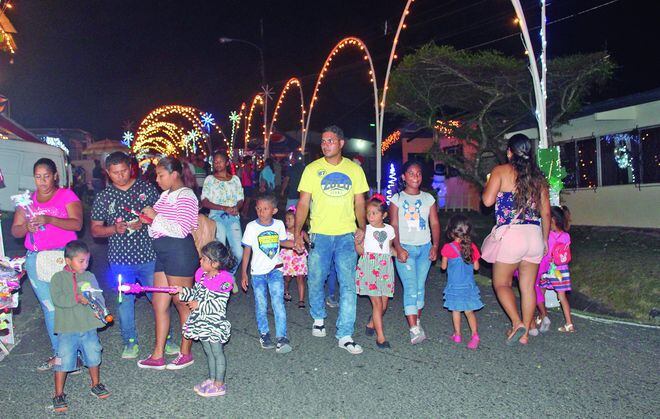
(215, 356)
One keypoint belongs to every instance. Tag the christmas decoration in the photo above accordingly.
(550, 165)
(127, 139)
(391, 183)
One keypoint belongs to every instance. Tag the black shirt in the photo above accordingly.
(130, 248)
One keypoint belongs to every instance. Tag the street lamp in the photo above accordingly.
(264, 86)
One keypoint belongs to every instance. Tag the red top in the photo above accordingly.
(449, 252)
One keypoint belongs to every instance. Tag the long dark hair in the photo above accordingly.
(460, 228)
(529, 178)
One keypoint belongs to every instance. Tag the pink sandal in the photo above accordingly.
(474, 342)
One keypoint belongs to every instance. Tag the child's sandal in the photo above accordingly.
(569, 328)
(301, 304)
(287, 297)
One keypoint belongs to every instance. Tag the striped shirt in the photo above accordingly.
(177, 213)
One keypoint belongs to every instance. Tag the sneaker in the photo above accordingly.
(48, 364)
(545, 325)
(474, 342)
(318, 330)
(152, 363)
(131, 350)
(348, 344)
(180, 362)
(330, 302)
(534, 332)
(417, 335)
(283, 346)
(456, 338)
(59, 403)
(213, 391)
(100, 391)
(198, 388)
(170, 347)
(266, 342)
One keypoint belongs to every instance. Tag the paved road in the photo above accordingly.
(601, 371)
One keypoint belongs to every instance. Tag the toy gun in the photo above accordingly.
(100, 311)
(138, 289)
(139, 215)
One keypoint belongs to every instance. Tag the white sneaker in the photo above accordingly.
(348, 344)
(545, 325)
(534, 332)
(417, 335)
(318, 330)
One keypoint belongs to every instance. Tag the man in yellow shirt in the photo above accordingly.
(336, 186)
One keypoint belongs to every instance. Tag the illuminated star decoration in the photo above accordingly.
(127, 139)
(235, 119)
(191, 140)
(207, 120)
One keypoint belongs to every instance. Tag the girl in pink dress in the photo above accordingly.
(295, 264)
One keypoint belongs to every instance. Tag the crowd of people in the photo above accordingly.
(330, 232)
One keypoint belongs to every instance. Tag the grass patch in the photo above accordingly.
(613, 267)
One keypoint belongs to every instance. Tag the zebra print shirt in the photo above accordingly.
(208, 321)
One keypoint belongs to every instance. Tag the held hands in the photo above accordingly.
(402, 255)
(433, 254)
(359, 236)
(299, 244)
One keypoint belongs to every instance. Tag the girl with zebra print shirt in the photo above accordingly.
(207, 300)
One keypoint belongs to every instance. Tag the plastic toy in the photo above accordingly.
(100, 311)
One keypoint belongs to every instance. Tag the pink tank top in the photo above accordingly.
(51, 237)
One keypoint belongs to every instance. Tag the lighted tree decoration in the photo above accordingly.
(391, 183)
(127, 138)
(550, 165)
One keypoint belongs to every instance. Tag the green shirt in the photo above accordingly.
(71, 316)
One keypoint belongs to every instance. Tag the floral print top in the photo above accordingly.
(505, 211)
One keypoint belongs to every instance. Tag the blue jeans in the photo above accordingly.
(273, 283)
(42, 291)
(331, 290)
(142, 273)
(228, 229)
(86, 342)
(413, 275)
(342, 249)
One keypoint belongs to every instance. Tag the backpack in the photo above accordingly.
(561, 254)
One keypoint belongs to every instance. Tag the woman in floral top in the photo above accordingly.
(222, 193)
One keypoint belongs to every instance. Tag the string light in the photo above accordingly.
(257, 100)
(391, 183)
(446, 127)
(207, 120)
(56, 142)
(127, 138)
(391, 139)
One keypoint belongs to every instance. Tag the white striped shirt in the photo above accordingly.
(177, 214)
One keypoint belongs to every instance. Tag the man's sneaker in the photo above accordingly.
(100, 391)
(545, 325)
(330, 302)
(170, 347)
(180, 362)
(283, 346)
(417, 335)
(348, 344)
(59, 403)
(131, 350)
(48, 364)
(318, 330)
(152, 363)
(266, 342)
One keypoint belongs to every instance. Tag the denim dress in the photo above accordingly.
(461, 292)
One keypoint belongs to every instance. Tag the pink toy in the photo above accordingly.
(139, 289)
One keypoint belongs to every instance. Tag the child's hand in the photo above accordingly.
(177, 291)
(192, 305)
(244, 282)
(82, 300)
(402, 255)
(433, 254)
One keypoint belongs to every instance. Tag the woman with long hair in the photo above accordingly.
(522, 207)
(55, 218)
(171, 221)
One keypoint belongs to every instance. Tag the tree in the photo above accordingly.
(490, 94)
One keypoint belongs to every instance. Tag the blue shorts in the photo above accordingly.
(68, 345)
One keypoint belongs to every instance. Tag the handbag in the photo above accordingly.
(48, 263)
(491, 245)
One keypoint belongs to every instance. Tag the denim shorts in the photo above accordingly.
(176, 257)
(68, 345)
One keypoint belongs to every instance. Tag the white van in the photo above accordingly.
(17, 159)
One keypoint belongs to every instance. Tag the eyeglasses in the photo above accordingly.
(329, 141)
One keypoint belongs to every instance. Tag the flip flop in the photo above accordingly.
(516, 335)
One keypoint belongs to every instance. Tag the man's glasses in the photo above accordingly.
(329, 141)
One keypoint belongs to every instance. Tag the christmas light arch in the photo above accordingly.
(351, 42)
(257, 100)
(291, 82)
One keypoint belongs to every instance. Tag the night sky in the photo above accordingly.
(93, 64)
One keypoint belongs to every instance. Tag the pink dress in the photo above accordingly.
(294, 264)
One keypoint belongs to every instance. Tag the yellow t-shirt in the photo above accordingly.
(333, 189)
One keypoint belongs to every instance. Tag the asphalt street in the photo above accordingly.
(602, 370)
